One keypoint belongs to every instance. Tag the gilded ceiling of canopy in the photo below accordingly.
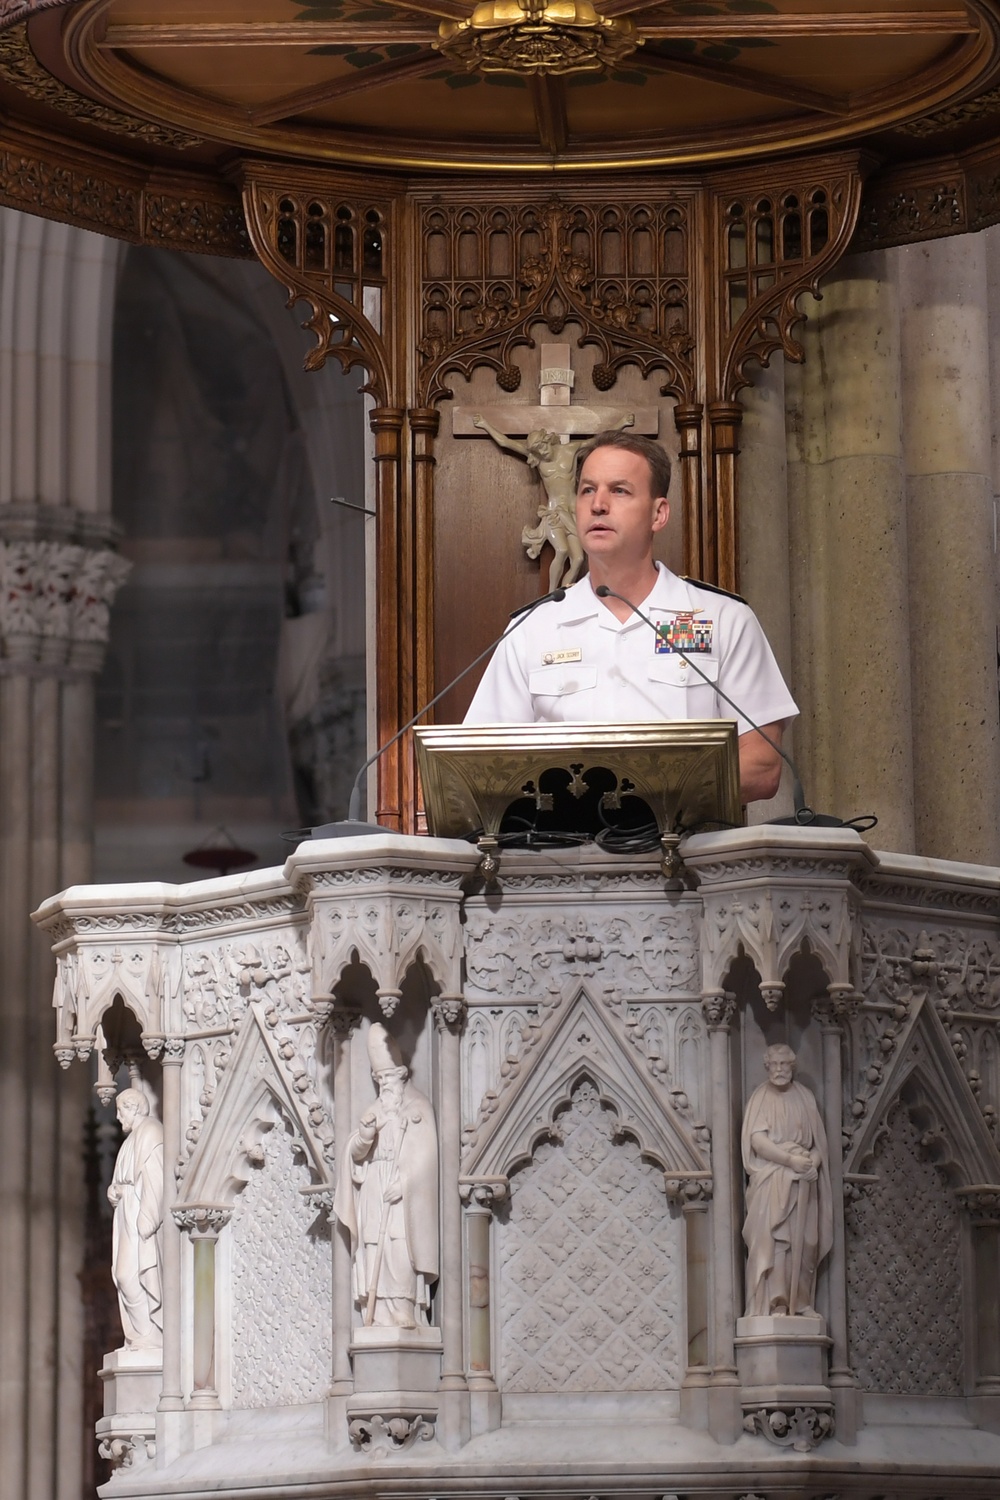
(365, 81)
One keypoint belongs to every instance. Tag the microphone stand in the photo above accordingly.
(353, 826)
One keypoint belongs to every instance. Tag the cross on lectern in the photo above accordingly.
(555, 411)
(547, 431)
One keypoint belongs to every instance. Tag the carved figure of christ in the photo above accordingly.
(546, 446)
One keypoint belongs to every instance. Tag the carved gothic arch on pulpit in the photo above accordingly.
(925, 1074)
(254, 1090)
(582, 1040)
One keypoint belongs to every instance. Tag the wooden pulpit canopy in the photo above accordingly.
(448, 185)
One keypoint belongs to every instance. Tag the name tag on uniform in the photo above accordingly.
(682, 632)
(557, 658)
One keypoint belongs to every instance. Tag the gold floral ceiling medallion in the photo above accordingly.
(537, 36)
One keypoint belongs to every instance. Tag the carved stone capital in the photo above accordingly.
(981, 1201)
(719, 1010)
(449, 1013)
(59, 579)
(801, 1428)
(320, 1197)
(483, 1192)
(202, 1221)
(840, 1003)
(173, 1050)
(688, 1188)
(342, 1020)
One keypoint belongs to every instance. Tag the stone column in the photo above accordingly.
(848, 546)
(843, 1386)
(343, 1022)
(724, 1415)
(203, 1223)
(172, 1394)
(58, 574)
(764, 565)
(952, 578)
(480, 1196)
(449, 1018)
(982, 1206)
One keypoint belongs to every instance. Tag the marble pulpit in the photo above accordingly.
(453, 1193)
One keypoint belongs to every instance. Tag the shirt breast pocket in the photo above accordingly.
(686, 695)
(561, 679)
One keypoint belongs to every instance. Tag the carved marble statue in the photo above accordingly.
(789, 1220)
(136, 1191)
(556, 465)
(387, 1195)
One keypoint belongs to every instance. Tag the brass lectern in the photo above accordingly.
(488, 781)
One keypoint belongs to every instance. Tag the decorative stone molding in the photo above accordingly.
(688, 1188)
(128, 1453)
(800, 1428)
(719, 1011)
(449, 1012)
(483, 1192)
(380, 1437)
(770, 895)
(386, 913)
(981, 1201)
(202, 1221)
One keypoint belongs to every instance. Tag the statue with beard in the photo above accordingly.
(387, 1195)
(789, 1223)
(136, 1192)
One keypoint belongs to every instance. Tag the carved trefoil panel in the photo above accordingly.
(281, 1328)
(589, 1258)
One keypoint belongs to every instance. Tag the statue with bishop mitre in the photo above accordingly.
(387, 1195)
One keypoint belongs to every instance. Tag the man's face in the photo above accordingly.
(616, 512)
(126, 1111)
(780, 1070)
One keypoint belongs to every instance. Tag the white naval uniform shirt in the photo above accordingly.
(573, 662)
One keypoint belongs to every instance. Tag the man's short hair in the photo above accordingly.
(659, 463)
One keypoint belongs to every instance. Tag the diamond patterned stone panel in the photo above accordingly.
(589, 1264)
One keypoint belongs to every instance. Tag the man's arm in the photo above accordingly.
(760, 764)
(500, 438)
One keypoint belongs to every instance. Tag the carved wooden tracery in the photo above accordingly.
(690, 281)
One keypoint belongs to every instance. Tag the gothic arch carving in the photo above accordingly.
(622, 272)
(253, 1090)
(580, 1040)
(928, 1078)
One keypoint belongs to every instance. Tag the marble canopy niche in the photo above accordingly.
(658, 186)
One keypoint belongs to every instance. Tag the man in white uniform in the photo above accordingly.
(592, 660)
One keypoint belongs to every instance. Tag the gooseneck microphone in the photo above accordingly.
(352, 826)
(603, 592)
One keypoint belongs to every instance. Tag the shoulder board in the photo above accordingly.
(713, 588)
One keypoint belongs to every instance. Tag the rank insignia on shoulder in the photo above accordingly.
(684, 633)
(558, 658)
(713, 588)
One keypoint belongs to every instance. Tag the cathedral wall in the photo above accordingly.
(885, 492)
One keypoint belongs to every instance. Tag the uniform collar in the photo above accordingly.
(668, 593)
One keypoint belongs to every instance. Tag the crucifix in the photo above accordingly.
(548, 431)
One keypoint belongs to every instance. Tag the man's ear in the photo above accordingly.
(661, 513)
